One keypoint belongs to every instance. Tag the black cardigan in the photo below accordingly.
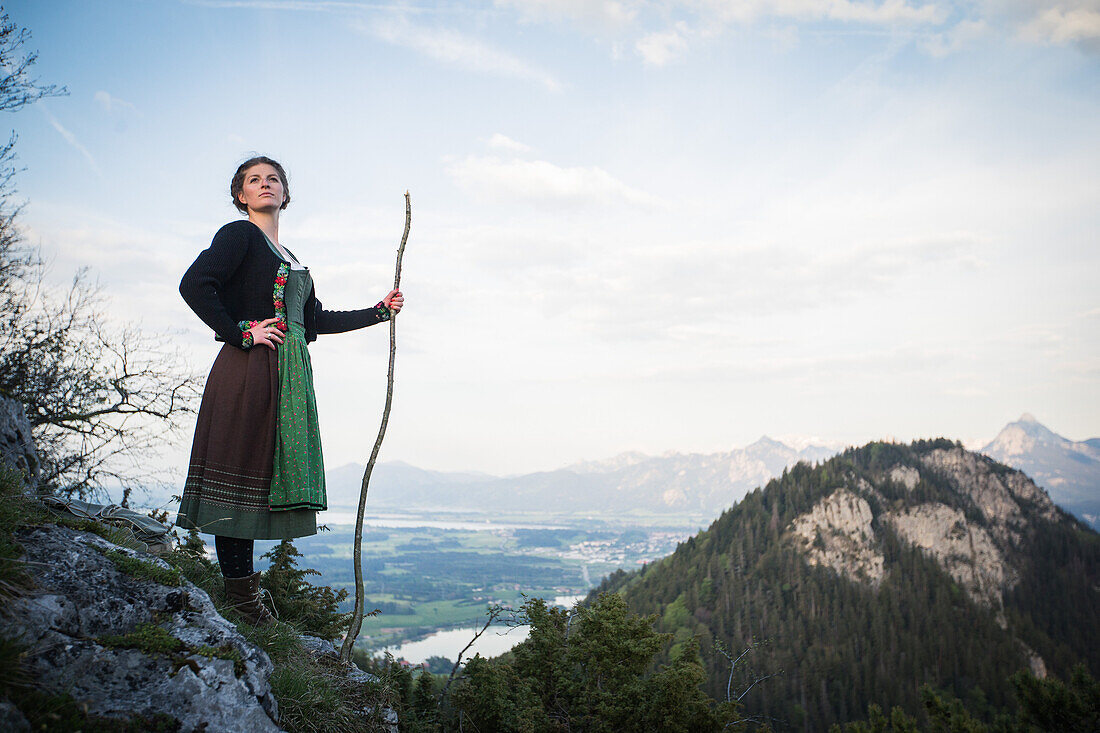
(234, 280)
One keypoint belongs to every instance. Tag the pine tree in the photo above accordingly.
(313, 609)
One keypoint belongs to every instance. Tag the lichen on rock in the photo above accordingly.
(101, 635)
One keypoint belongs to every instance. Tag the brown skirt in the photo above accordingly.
(229, 475)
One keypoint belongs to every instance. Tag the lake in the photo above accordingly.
(495, 641)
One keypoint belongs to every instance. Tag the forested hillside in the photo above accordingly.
(882, 569)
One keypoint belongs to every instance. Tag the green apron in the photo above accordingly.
(298, 477)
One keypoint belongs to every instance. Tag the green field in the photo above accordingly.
(428, 578)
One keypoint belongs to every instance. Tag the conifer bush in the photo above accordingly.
(309, 608)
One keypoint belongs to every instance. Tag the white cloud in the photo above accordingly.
(605, 13)
(457, 49)
(889, 12)
(954, 39)
(1066, 22)
(71, 139)
(666, 28)
(503, 142)
(303, 5)
(657, 49)
(610, 12)
(111, 103)
(540, 181)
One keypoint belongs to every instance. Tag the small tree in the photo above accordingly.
(425, 705)
(587, 670)
(314, 609)
(1051, 704)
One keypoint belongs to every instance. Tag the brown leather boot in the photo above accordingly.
(243, 596)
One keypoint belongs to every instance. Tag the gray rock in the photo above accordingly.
(318, 647)
(11, 719)
(84, 596)
(16, 443)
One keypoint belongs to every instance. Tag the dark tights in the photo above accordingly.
(234, 555)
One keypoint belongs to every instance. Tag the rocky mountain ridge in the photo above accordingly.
(979, 556)
(880, 569)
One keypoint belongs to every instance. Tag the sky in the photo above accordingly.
(653, 226)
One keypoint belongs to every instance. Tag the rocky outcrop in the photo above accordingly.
(975, 531)
(16, 444)
(978, 553)
(125, 635)
(837, 533)
(966, 552)
(907, 476)
(998, 495)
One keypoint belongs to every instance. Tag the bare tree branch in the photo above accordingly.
(753, 679)
(494, 612)
(102, 399)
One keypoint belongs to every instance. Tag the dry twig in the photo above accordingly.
(357, 615)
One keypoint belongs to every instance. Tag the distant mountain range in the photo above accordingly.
(631, 483)
(1068, 470)
(694, 484)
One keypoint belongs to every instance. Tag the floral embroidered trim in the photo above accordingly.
(385, 311)
(246, 333)
(278, 295)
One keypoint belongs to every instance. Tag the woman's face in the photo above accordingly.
(262, 189)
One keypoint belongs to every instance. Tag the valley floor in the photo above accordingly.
(431, 571)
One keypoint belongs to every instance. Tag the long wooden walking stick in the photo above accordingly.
(357, 616)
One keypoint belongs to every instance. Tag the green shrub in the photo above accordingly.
(312, 609)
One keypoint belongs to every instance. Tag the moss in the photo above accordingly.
(45, 711)
(115, 535)
(147, 637)
(146, 570)
(225, 651)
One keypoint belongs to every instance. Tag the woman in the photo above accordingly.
(256, 470)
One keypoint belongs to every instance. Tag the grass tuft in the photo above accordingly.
(313, 692)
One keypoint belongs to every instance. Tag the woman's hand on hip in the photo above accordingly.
(266, 333)
(394, 301)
